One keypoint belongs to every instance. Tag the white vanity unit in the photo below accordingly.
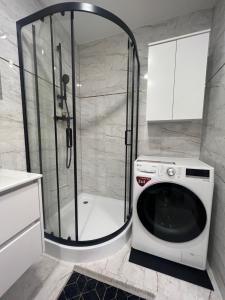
(21, 225)
(176, 77)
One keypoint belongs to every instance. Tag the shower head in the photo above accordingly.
(65, 79)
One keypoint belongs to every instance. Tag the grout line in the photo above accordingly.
(90, 96)
(27, 71)
(102, 95)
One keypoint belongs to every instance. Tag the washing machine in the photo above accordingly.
(172, 202)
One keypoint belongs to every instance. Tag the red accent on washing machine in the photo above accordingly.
(142, 180)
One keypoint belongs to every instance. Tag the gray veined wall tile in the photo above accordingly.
(103, 122)
(10, 12)
(103, 66)
(213, 141)
(12, 152)
(163, 138)
(1, 91)
(11, 121)
(103, 70)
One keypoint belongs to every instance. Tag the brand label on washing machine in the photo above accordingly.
(142, 180)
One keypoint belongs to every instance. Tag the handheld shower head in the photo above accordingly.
(69, 133)
(65, 79)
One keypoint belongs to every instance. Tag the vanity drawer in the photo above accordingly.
(18, 209)
(18, 255)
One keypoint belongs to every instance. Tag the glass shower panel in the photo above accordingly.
(31, 103)
(40, 108)
(135, 109)
(129, 127)
(47, 128)
(101, 89)
(135, 83)
(61, 24)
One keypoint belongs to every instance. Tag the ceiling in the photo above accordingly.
(135, 13)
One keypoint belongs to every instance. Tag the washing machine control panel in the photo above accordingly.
(145, 167)
(159, 170)
(171, 171)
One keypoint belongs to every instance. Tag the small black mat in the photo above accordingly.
(86, 288)
(174, 269)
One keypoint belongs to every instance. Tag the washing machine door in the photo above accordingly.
(171, 212)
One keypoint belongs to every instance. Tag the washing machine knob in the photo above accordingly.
(171, 171)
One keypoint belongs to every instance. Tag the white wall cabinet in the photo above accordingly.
(176, 78)
(161, 81)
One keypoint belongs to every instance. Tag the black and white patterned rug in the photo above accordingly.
(85, 288)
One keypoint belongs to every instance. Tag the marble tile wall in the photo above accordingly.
(182, 138)
(103, 66)
(12, 151)
(103, 75)
(103, 148)
(213, 141)
(103, 71)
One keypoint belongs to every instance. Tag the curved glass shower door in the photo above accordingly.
(79, 79)
(102, 91)
(64, 117)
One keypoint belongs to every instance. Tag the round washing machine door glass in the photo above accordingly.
(171, 212)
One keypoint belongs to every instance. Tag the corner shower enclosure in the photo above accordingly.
(79, 73)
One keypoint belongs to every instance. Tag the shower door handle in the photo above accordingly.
(128, 137)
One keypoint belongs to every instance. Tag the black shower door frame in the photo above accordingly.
(40, 15)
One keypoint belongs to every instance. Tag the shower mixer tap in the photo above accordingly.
(66, 117)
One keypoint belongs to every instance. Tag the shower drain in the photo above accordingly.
(85, 202)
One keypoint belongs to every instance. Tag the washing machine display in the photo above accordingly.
(171, 212)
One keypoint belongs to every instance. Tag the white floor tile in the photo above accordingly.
(43, 281)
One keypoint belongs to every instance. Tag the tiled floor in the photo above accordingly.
(43, 281)
(82, 287)
(46, 279)
(149, 284)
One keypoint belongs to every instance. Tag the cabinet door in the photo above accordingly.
(161, 67)
(18, 209)
(191, 62)
(18, 255)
